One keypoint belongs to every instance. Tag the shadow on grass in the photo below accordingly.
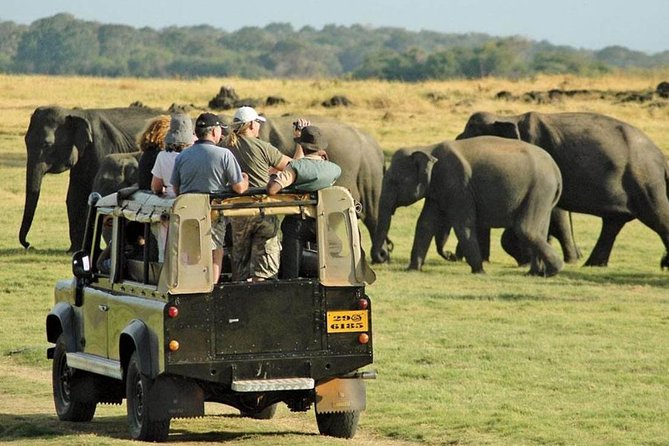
(23, 426)
(31, 252)
(42, 426)
(659, 279)
(592, 275)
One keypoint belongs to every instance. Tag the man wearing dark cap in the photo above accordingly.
(307, 174)
(208, 168)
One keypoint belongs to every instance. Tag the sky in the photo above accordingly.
(641, 25)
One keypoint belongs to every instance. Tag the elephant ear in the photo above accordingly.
(423, 163)
(506, 129)
(82, 134)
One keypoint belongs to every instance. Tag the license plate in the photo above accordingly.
(348, 321)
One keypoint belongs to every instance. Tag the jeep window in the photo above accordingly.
(136, 250)
(338, 235)
(101, 247)
(190, 242)
(139, 254)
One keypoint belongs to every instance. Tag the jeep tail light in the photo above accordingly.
(173, 312)
(363, 304)
(363, 338)
(173, 345)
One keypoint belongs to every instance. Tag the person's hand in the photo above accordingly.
(299, 125)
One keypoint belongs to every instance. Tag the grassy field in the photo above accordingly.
(500, 359)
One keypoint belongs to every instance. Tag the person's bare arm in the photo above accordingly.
(243, 185)
(297, 131)
(273, 187)
(282, 164)
(299, 152)
(157, 185)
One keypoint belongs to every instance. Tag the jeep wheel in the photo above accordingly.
(341, 425)
(266, 414)
(63, 379)
(140, 421)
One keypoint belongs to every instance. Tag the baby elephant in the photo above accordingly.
(489, 182)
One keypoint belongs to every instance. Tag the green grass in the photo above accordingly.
(496, 359)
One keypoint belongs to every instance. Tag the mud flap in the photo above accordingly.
(341, 395)
(175, 398)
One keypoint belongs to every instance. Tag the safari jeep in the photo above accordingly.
(169, 337)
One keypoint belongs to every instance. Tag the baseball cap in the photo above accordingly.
(208, 120)
(247, 114)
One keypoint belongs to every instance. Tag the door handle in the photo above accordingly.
(103, 307)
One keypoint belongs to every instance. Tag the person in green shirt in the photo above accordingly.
(256, 249)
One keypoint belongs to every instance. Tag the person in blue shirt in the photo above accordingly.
(208, 168)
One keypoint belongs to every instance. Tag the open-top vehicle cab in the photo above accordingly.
(168, 336)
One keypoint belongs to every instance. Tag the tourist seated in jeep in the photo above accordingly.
(134, 246)
(308, 174)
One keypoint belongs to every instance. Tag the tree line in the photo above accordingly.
(64, 45)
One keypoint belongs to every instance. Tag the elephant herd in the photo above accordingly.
(524, 173)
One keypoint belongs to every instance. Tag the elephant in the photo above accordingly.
(610, 169)
(400, 188)
(355, 151)
(484, 182)
(59, 139)
(117, 171)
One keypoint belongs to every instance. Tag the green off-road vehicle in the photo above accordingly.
(168, 337)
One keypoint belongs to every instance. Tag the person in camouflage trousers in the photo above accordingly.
(256, 249)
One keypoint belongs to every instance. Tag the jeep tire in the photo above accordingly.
(266, 414)
(63, 379)
(141, 423)
(338, 424)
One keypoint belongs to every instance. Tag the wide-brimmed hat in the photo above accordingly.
(246, 114)
(312, 139)
(181, 130)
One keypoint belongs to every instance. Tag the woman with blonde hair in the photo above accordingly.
(255, 244)
(151, 141)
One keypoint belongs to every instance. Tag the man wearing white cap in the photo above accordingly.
(255, 244)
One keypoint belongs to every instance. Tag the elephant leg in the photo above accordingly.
(483, 235)
(469, 242)
(512, 246)
(531, 227)
(611, 226)
(77, 205)
(545, 261)
(654, 213)
(561, 229)
(440, 239)
(426, 227)
(459, 252)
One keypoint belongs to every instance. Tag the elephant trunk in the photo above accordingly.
(34, 177)
(387, 206)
